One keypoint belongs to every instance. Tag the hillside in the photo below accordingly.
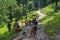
(24, 10)
(52, 20)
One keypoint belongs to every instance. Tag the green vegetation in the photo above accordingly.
(52, 19)
(18, 10)
(26, 9)
(5, 35)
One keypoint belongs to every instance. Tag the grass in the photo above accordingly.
(4, 34)
(51, 21)
(47, 19)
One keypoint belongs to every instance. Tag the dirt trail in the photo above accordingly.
(41, 15)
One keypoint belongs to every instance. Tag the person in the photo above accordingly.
(33, 32)
(16, 26)
(34, 21)
(34, 28)
(9, 26)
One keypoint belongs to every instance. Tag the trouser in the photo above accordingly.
(33, 31)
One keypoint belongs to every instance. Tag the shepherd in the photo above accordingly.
(16, 26)
(34, 28)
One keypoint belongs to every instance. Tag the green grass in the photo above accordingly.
(47, 19)
(51, 21)
(4, 34)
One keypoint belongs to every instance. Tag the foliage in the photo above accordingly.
(25, 9)
(51, 21)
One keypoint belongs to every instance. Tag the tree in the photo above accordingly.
(19, 2)
(10, 15)
(44, 3)
(56, 2)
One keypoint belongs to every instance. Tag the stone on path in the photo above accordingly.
(26, 39)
